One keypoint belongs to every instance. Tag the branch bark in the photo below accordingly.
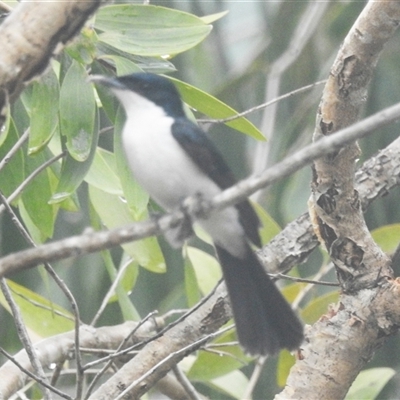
(61, 347)
(338, 346)
(30, 36)
(95, 241)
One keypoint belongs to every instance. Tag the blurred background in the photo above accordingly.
(258, 51)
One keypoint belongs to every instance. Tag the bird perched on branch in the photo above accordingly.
(172, 158)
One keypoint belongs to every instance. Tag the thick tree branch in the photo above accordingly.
(60, 347)
(162, 354)
(377, 177)
(30, 36)
(338, 346)
(95, 241)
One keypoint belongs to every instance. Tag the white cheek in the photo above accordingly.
(156, 159)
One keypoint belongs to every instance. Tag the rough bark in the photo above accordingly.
(339, 345)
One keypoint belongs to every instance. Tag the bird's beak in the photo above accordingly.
(108, 81)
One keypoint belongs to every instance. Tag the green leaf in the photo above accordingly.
(387, 237)
(77, 112)
(209, 19)
(206, 267)
(212, 365)
(234, 384)
(269, 227)
(285, 363)
(103, 172)
(33, 230)
(318, 306)
(40, 314)
(214, 108)
(37, 194)
(124, 286)
(43, 110)
(135, 195)
(13, 172)
(114, 212)
(74, 171)
(156, 65)
(6, 126)
(108, 101)
(122, 65)
(192, 290)
(149, 30)
(292, 291)
(369, 383)
(83, 47)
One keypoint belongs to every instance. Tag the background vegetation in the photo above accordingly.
(255, 52)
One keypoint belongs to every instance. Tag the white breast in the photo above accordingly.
(164, 169)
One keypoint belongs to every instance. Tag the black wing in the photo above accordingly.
(206, 156)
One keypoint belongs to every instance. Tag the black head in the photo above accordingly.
(156, 88)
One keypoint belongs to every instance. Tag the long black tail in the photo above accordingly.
(265, 322)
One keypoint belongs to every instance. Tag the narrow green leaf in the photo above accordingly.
(292, 291)
(387, 237)
(214, 108)
(77, 112)
(5, 127)
(285, 363)
(108, 101)
(234, 384)
(156, 65)
(269, 227)
(33, 230)
(192, 290)
(128, 311)
(211, 365)
(37, 194)
(73, 171)
(114, 212)
(369, 383)
(123, 65)
(206, 267)
(318, 307)
(40, 315)
(135, 195)
(149, 30)
(209, 19)
(13, 173)
(103, 172)
(43, 111)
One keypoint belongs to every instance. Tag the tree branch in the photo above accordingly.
(95, 241)
(36, 29)
(338, 346)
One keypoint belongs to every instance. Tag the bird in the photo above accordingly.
(172, 158)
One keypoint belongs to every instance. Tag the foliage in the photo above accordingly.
(92, 185)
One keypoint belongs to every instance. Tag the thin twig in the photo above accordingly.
(185, 349)
(61, 285)
(209, 349)
(31, 177)
(186, 384)
(263, 105)
(110, 292)
(4, 6)
(94, 241)
(303, 280)
(19, 143)
(24, 337)
(324, 270)
(109, 359)
(255, 376)
(33, 376)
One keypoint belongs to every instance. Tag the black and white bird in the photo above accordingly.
(172, 158)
